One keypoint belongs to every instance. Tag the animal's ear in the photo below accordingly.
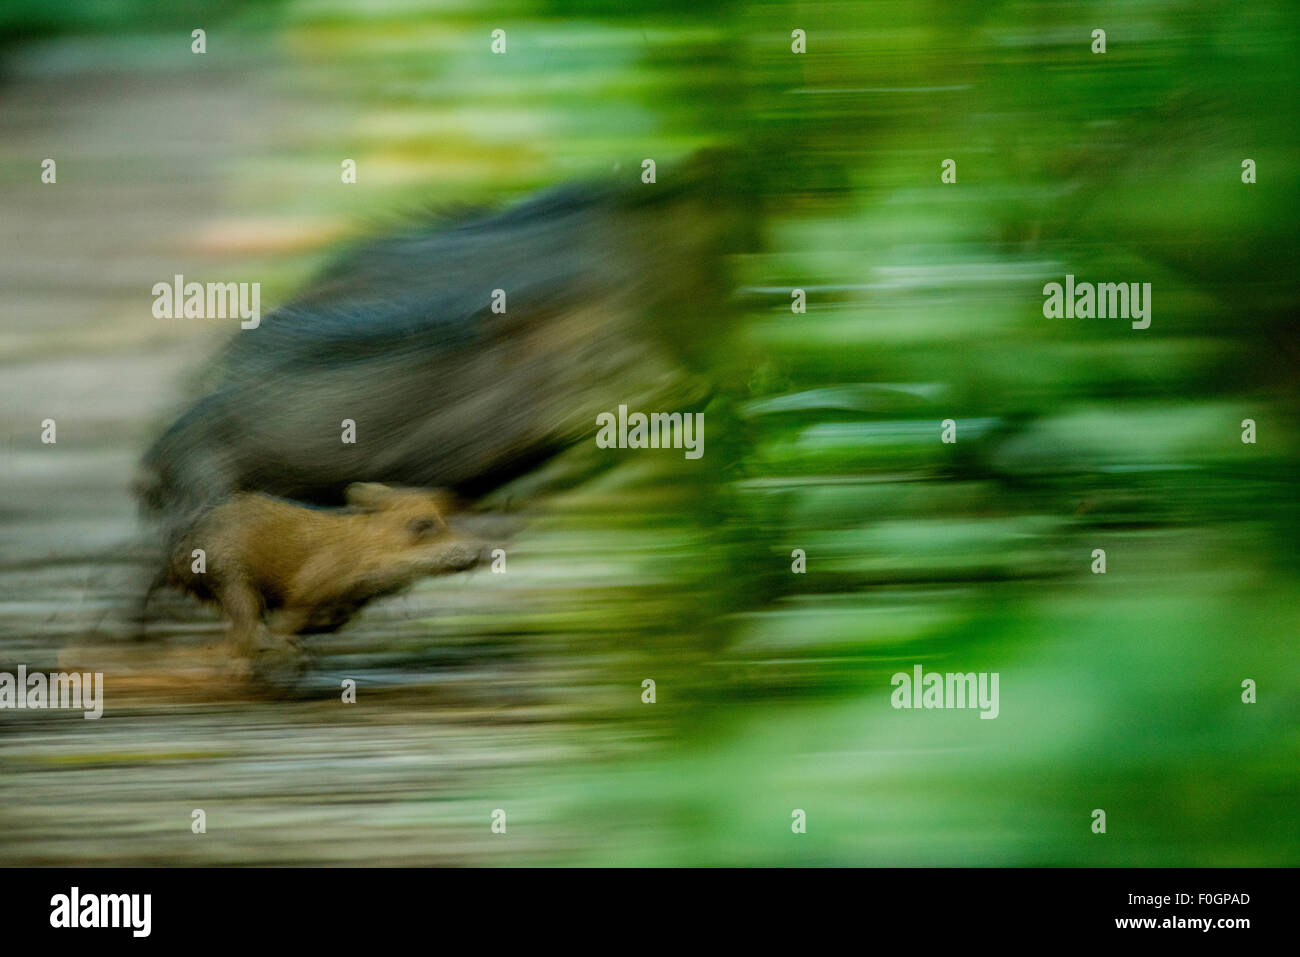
(444, 500)
(367, 494)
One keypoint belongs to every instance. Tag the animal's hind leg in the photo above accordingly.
(243, 607)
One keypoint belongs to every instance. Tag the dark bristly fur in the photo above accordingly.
(608, 292)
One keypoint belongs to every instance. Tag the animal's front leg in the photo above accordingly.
(291, 621)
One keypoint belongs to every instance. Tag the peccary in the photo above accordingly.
(602, 295)
(311, 569)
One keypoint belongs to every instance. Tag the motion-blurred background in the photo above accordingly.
(523, 691)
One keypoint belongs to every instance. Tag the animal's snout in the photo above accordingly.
(461, 555)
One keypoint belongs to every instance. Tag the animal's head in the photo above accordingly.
(410, 526)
